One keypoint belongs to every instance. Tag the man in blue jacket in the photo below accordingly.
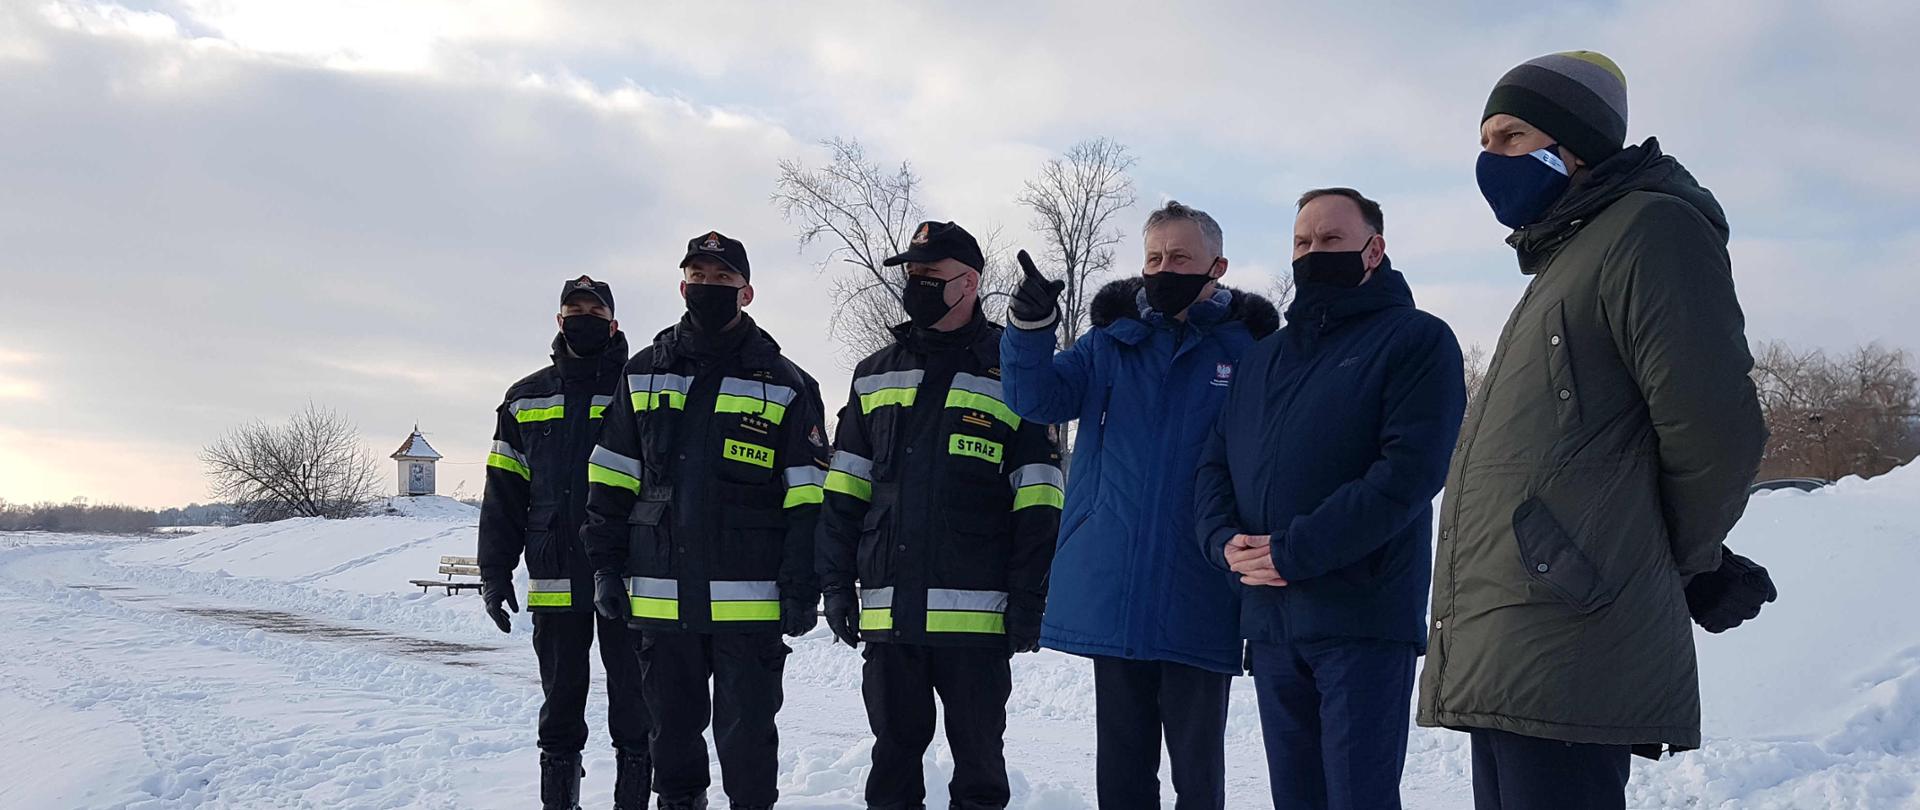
(1317, 489)
(1128, 589)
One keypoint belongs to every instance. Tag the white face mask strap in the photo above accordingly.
(1552, 158)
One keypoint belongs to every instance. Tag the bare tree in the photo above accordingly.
(1073, 202)
(1280, 291)
(1474, 362)
(864, 213)
(1829, 417)
(313, 466)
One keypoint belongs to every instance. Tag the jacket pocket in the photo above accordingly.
(650, 539)
(1562, 386)
(972, 550)
(751, 544)
(544, 556)
(1552, 559)
(875, 558)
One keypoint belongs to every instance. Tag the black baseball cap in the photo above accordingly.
(934, 241)
(585, 285)
(728, 251)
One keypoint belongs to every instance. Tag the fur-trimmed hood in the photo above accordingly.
(1119, 299)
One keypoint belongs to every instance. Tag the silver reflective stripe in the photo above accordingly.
(891, 379)
(876, 597)
(776, 394)
(507, 450)
(982, 601)
(1037, 474)
(805, 476)
(653, 588)
(979, 385)
(550, 585)
(614, 461)
(655, 383)
(535, 404)
(852, 464)
(602, 400)
(744, 591)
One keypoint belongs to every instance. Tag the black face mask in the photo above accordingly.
(1344, 268)
(713, 306)
(1170, 293)
(925, 300)
(586, 334)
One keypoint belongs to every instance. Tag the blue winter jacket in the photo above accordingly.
(1335, 439)
(1127, 581)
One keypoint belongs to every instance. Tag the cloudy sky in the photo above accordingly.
(214, 211)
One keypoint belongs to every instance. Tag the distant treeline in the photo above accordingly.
(79, 516)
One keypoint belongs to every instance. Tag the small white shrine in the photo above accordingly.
(416, 459)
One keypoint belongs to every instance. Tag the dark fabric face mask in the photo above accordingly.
(1171, 293)
(1344, 268)
(586, 335)
(925, 300)
(713, 306)
(1521, 188)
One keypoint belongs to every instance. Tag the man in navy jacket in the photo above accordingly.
(1317, 488)
(1128, 588)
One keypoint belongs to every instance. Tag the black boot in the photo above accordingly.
(633, 784)
(690, 803)
(560, 781)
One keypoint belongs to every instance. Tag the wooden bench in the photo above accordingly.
(453, 566)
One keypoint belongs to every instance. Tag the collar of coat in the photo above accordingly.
(1119, 308)
(757, 349)
(980, 336)
(1326, 306)
(609, 361)
(1636, 168)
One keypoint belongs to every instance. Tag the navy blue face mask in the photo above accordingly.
(1521, 188)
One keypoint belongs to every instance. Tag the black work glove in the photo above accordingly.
(843, 615)
(1023, 630)
(798, 617)
(1036, 305)
(1722, 599)
(610, 595)
(497, 592)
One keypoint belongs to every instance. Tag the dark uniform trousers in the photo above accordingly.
(899, 683)
(561, 640)
(1134, 701)
(1515, 772)
(745, 670)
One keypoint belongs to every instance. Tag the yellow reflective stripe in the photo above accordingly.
(887, 396)
(550, 599)
(613, 478)
(957, 398)
(963, 445)
(733, 403)
(846, 484)
(510, 465)
(541, 414)
(876, 619)
(648, 607)
(755, 611)
(1038, 495)
(653, 400)
(596, 411)
(747, 453)
(803, 495)
(963, 621)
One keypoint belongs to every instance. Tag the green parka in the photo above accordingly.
(1609, 454)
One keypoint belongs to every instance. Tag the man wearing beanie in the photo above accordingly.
(1611, 452)
(705, 489)
(535, 503)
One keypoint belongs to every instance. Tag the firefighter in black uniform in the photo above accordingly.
(943, 505)
(536, 501)
(706, 488)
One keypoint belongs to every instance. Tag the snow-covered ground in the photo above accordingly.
(291, 665)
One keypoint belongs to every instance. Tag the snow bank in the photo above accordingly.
(1815, 704)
